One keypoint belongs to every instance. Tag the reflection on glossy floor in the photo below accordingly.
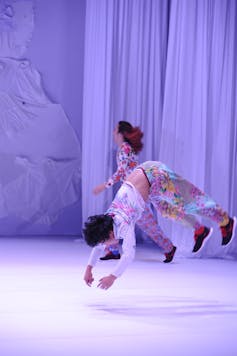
(185, 308)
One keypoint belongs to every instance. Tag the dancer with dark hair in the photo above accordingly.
(171, 195)
(128, 139)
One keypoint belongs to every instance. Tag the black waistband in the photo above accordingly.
(144, 172)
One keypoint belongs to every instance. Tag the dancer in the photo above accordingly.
(171, 195)
(128, 140)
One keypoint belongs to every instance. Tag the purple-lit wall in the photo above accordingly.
(57, 52)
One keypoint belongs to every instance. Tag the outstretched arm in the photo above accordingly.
(126, 162)
(127, 233)
(94, 256)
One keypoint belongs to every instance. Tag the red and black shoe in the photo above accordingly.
(170, 255)
(228, 231)
(201, 236)
(110, 256)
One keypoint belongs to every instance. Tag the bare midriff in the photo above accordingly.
(140, 182)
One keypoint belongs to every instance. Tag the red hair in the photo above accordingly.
(132, 135)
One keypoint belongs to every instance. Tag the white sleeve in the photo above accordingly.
(95, 254)
(127, 233)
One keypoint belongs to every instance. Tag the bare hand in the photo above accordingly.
(106, 282)
(99, 188)
(88, 277)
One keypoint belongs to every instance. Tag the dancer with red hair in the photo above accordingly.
(129, 141)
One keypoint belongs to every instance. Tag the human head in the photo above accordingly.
(97, 229)
(132, 135)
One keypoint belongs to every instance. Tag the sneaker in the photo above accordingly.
(110, 256)
(228, 231)
(201, 236)
(170, 255)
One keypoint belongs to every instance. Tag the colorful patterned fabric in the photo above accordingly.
(128, 207)
(178, 199)
(128, 204)
(126, 162)
(148, 224)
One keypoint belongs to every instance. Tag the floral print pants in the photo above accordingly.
(148, 224)
(129, 203)
(176, 198)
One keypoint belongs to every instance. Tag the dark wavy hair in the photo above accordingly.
(132, 135)
(97, 229)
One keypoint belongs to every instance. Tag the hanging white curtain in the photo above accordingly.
(97, 122)
(169, 67)
(198, 137)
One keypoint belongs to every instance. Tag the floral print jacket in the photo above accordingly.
(127, 160)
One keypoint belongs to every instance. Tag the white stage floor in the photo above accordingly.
(185, 308)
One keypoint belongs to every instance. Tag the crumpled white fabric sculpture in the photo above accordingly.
(16, 27)
(39, 152)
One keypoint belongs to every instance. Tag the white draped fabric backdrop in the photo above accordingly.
(170, 68)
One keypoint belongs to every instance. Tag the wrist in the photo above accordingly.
(108, 184)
